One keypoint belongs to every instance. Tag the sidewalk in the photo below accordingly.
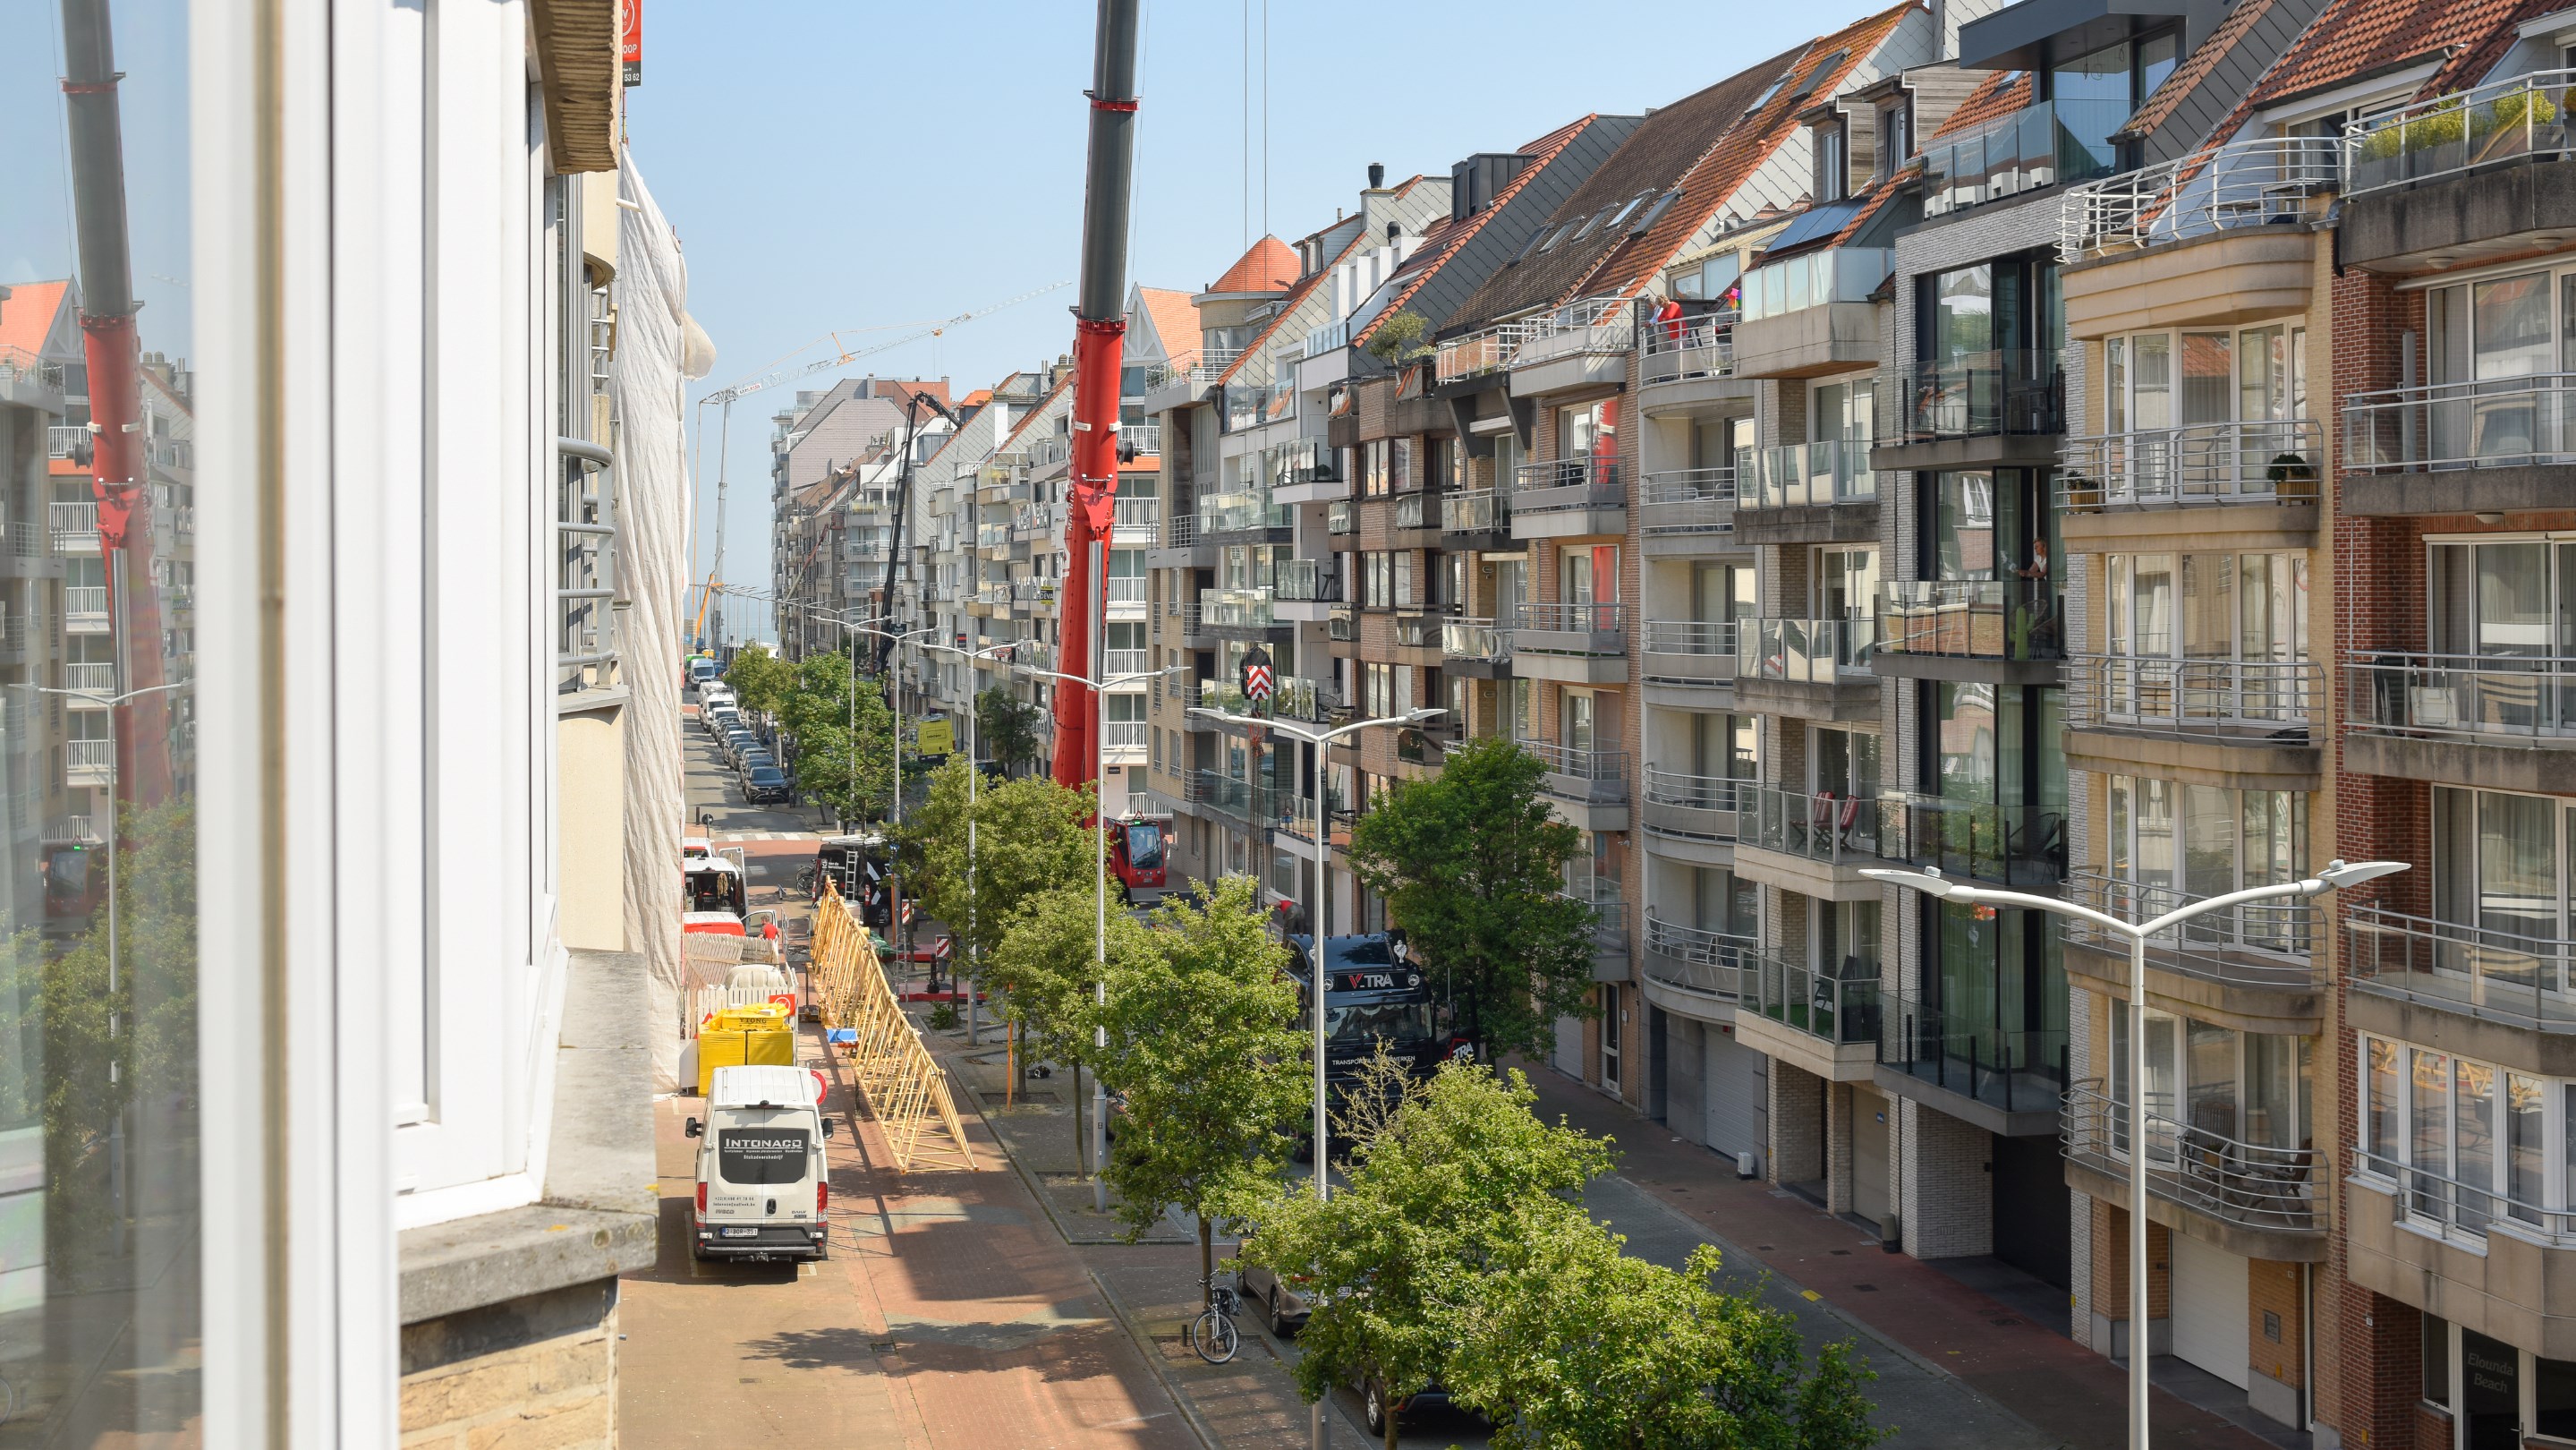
(2072, 1394)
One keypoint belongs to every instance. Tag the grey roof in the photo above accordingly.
(839, 427)
(1503, 233)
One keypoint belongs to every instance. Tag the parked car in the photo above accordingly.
(1284, 1307)
(757, 756)
(766, 783)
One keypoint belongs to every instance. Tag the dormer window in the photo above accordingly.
(1833, 162)
(1895, 135)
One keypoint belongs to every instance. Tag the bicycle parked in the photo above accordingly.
(1212, 1336)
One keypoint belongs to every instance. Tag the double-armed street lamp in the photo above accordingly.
(2335, 876)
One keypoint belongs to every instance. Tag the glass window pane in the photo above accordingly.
(2526, 1109)
(2428, 1135)
(2208, 377)
(2437, 1360)
(2380, 1113)
(2211, 1053)
(2473, 1140)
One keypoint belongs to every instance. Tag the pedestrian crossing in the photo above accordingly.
(723, 837)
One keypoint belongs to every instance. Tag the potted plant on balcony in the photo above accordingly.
(1398, 339)
(2292, 476)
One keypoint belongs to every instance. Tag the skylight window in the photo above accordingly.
(1630, 209)
(1654, 213)
(1596, 219)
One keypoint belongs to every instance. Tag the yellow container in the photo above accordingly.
(729, 1046)
(753, 1017)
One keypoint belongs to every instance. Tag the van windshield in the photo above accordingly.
(749, 1156)
(1145, 846)
(1394, 1022)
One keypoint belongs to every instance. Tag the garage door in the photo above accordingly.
(1870, 1112)
(2209, 1311)
(1568, 1056)
(1685, 1111)
(1738, 1095)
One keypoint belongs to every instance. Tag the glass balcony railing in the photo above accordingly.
(1412, 511)
(2264, 460)
(1209, 788)
(1696, 959)
(2481, 971)
(1475, 511)
(1475, 639)
(1308, 581)
(1994, 619)
(2511, 422)
(1829, 829)
(2526, 700)
(2002, 391)
(2271, 700)
(1341, 516)
(1235, 608)
(1687, 348)
(2266, 944)
(1687, 501)
(2282, 179)
(1804, 651)
(1832, 471)
(2520, 118)
(1815, 279)
(1342, 625)
(2018, 845)
(2049, 143)
(1840, 1011)
(1250, 405)
(2016, 1068)
(2251, 1185)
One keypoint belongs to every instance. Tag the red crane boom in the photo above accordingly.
(1099, 340)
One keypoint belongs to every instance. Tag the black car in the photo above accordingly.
(767, 783)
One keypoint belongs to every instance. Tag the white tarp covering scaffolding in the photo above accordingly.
(657, 348)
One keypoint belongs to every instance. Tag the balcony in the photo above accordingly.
(1210, 793)
(1254, 405)
(1698, 813)
(1186, 377)
(63, 441)
(1690, 653)
(2263, 1191)
(1477, 518)
(1341, 517)
(2500, 445)
(2004, 1079)
(1296, 817)
(1813, 844)
(2003, 407)
(2254, 716)
(2274, 181)
(1589, 786)
(2016, 845)
(1305, 581)
(74, 527)
(1122, 734)
(95, 678)
(1687, 349)
(1237, 610)
(1134, 521)
(2045, 144)
(1475, 648)
(24, 376)
(1694, 970)
(1809, 315)
(1582, 344)
(1686, 511)
(2460, 176)
(1341, 625)
(1129, 591)
(1568, 498)
(1411, 515)
(2006, 631)
(2507, 722)
(85, 608)
(2260, 966)
(2501, 976)
(1140, 440)
(1807, 493)
(1815, 1020)
(1571, 643)
(1609, 905)
(1810, 669)
(1178, 545)
(2269, 464)
(1482, 353)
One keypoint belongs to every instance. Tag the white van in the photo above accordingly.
(762, 1189)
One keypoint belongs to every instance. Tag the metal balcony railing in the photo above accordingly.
(65, 441)
(1844, 1011)
(1832, 471)
(1341, 517)
(1208, 788)
(1599, 766)
(1475, 639)
(2481, 971)
(1587, 326)
(1686, 348)
(1123, 734)
(2520, 118)
(1308, 581)
(73, 525)
(85, 599)
(2259, 461)
(1143, 438)
(1713, 963)
(1690, 637)
(1609, 618)
(2018, 844)
(1129, 589)
(1993, 619)
(1585, 482)
(1828, 828)
(2011, 1067)
(1804, 651)
(1475, 511)
(1123, 662)
(2003, 391)
(1687, 501)
(2251, 1185)
(1487, 350)
(2434, 427)
(17, 365)
(2524, 700)
(1700, 807)
(89, 754)
(2432, 1195)
(1138, 515)
(2268, 944)
(1198, 366)
(1179, 532)
(2241, 184)
(99, 679)
(2272, 700)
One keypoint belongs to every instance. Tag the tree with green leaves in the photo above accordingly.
(1399, 338)
(1202, 1043)
(1048, 966)
(818, 709)
(760, 680)
(1471, 863)
(1006, 727)
(1031, 837)
(1434, 1195)
(1564, 1340)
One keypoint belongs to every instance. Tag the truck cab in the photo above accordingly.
(1139, 846)
(712, 899)
(1372, 993)
(764, 1191)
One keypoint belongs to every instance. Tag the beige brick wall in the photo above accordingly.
(554, 1393)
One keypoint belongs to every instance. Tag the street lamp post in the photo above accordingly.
(894, 918)
(974, 774)
(2335, 876)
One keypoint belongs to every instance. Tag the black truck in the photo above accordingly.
(1372, 994)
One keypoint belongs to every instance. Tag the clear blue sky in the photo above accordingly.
(844, 165)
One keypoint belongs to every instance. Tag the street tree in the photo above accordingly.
(1202, 1044)
(844, 736)
(1046, 965)
(1562, 1339)
(1471, 864)
(1032, 836)
(1006, 727)
(760, 680)
(1435, 1194)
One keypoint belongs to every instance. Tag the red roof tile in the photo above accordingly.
(1268, 267)
(27, 314)
(2353, 39)
(1287, 306)
(1176, 322)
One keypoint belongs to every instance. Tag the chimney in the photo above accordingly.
(1377, 176)
(1393, 231)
